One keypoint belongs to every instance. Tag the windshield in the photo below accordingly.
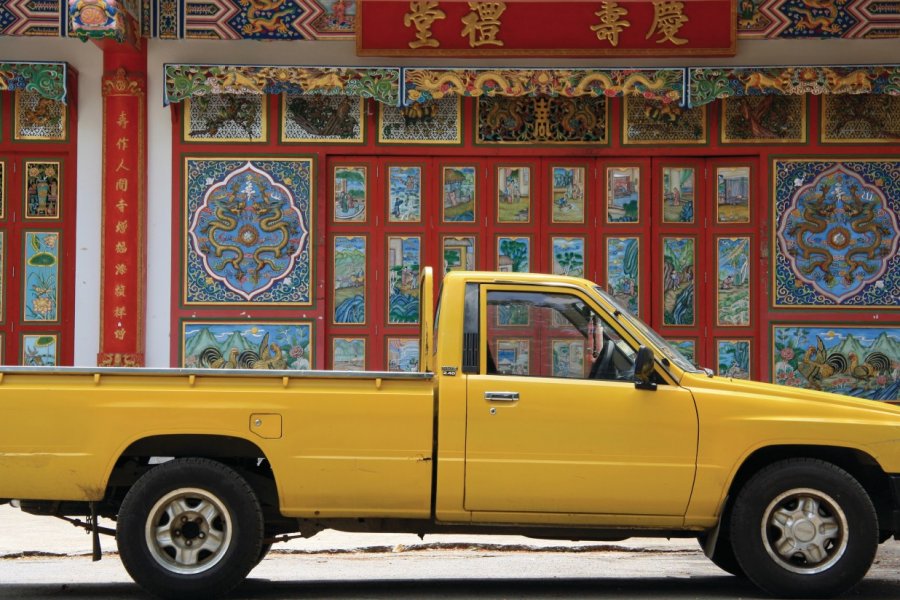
(665, 347)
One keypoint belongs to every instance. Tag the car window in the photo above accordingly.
(540, 334)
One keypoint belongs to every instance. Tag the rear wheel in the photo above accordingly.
(804, 528)
(190, 528)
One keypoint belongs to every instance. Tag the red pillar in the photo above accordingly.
(124, 207)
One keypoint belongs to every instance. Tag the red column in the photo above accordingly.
(124, 217)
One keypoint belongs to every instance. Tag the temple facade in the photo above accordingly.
(257, 183)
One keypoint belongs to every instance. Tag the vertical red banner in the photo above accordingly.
(123, 222)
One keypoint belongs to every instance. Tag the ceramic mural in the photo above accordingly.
(349, 291)
(248, 231)
(350, 191)
(836, 233)
(246, 345)
(679, 261)
(568, 256)
(41, 289)
(623, 271)
(404, 256)
(623, 194)
(856, 361)
(514, 194)
(404, 194)
(568, 194)
(733, 288)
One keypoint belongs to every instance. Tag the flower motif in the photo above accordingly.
(787, 353)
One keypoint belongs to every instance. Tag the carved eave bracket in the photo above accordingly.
(103, 20)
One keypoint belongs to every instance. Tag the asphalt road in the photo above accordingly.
(45, 558)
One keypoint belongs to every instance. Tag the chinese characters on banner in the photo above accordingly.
(122, 296)
(530, 28)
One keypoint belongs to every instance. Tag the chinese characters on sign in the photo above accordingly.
(122, 296)
(534, 28)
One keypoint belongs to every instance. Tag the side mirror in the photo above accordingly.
(643, 369)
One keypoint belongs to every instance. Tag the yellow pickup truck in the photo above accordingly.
(590, 426)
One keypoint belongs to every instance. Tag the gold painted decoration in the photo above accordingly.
(648, 122)
(225, 118)
(38, 118)
(764, 120)
(664, 85)
(322, 119)
(861, 119)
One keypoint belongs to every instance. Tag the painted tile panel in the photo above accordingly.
(404, 259)
(459, 194)
(733, 358)
(856, 361)
(514, 194)
(246, 345)
(514, 254)
(348, 354)
(403, 354)
(404, 194)
(248, 225)
(733, 277)
(623, 194)
(568, 194)
(349, 285)
(41, 289)
(40, 350)
(836, 233)
(350, 194)
(679, 262)
(568, 256)
(623, 279)
(459, 253)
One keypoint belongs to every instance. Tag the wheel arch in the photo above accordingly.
(243, 455)
(862, 466)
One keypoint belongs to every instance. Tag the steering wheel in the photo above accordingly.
(603, 362)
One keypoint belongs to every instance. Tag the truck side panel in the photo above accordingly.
(347, 447)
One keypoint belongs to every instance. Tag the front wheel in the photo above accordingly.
(190, 528)
(804, 528)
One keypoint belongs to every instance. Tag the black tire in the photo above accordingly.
(263, 551)
(804, 528)
(723, 556)
(190, 528)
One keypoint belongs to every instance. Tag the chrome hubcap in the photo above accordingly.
(188, 531)
(805, 531)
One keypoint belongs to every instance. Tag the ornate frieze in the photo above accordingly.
(186, 81)
(665, 85)
(542, 120)
(708, 84)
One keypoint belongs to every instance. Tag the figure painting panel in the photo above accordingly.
(733, 194)
(733, 358)
(404, 194)
(514, 194)
(459, 193)
(623, 194)
(568, 194)
(348, 354)
(679, 293)
(404, 256)
(350, 192)
(678, 189)
(349, 291)
(733, 288)
(623, 271)
(403, 354)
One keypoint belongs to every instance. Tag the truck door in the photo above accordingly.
(554, 421)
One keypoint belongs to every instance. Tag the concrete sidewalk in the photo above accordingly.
(29, 535)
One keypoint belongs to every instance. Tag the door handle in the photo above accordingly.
(501, 396)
